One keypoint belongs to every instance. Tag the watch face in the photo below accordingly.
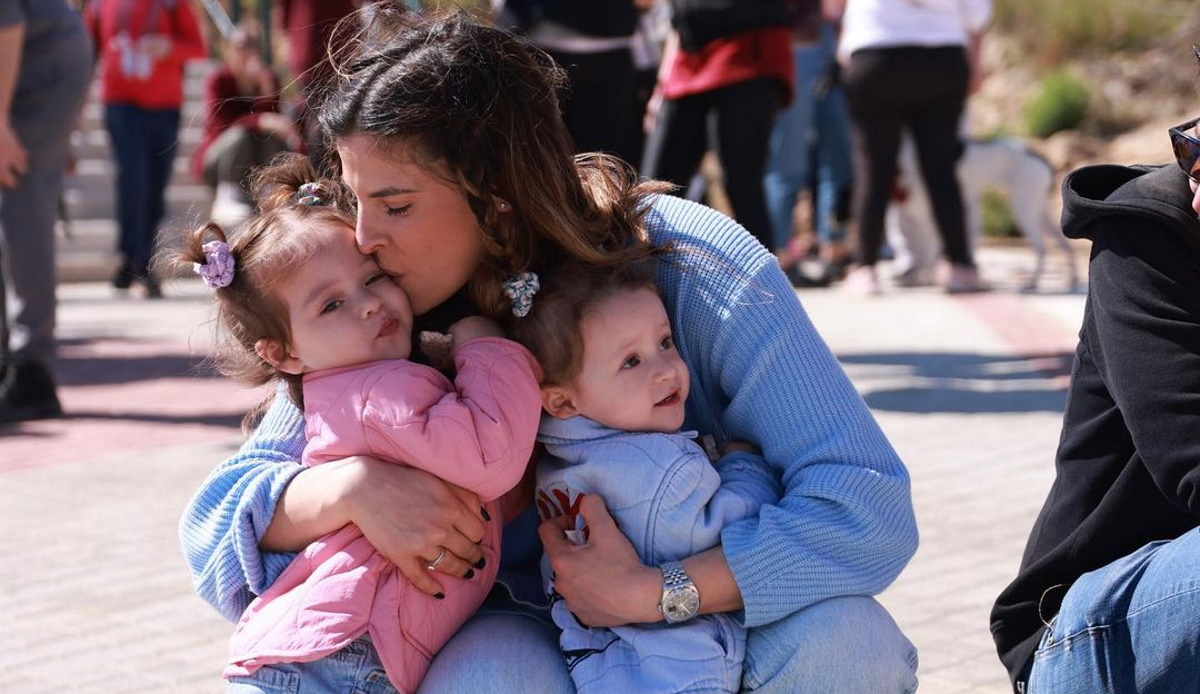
(681, 604)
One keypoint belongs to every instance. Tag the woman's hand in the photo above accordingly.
(14, 159)
(410, 516)
(603, 581)
(473, 328)
(407, 514)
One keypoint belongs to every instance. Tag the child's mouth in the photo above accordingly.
(668, 401)
(389, 327)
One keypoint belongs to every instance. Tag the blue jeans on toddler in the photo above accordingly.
(355, 669)
(1130, 626)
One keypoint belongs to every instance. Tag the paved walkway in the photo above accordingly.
(94, 596)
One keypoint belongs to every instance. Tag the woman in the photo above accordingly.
(449, 134)
(1105, 600)
(719, 87)
(143, 45)
(910, 66)
(243, 125)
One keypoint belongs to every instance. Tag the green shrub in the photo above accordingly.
(1061, 103)
(995, 216)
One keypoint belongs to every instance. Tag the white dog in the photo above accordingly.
(1003, 164)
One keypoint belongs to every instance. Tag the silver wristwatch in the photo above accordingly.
(680, 600)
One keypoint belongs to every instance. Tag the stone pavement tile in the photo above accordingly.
(970, 392)
(111, 610)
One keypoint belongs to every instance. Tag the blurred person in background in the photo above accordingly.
(306, 28)
(243, 125)
(810, 150)
(142, 46)
(593, 41)
(726, 70)
(910, 65)
(45, 68)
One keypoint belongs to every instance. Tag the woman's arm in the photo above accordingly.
(227, 517)
(256, 509)
(1145, 293)
(585, 575)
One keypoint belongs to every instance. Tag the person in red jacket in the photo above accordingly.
(307, 29)
(243, 125)
(725, 72)
(142, 46)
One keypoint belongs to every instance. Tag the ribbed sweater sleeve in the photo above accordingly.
(224, 522)
(762, 374)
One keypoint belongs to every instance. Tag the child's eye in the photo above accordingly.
(630, 362)
(331, 305)
(396, 211)
(376, 277)
(668, 343)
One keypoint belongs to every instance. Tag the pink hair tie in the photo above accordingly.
(217, 270)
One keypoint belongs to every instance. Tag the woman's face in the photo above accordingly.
(418, 225)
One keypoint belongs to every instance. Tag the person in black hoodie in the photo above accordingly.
(1107, 598)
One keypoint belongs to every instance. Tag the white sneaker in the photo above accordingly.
(862, 281)
(229, 205)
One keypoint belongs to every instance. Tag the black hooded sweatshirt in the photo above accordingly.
(1128, 463)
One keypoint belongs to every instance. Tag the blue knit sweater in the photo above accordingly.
(760, 373)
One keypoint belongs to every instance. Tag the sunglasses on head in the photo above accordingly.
(1187, 148)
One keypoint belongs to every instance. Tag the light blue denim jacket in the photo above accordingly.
(671, 502)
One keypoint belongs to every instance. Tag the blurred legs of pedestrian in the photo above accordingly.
(143, 143)
(810, 149)
(737, 120)
(42, 120)
(601, 107)
(923, 90)
(228, 162)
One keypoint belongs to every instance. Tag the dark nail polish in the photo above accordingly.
(469, 574)
(440, 596)
(480, 564)
(486, 516)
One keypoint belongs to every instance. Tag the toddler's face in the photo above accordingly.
(342, 308)
(632, 377)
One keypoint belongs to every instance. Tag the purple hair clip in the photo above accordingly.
(217, 270)
(312, 194)
(521, 288)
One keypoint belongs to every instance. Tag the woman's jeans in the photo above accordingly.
(845, 645)
(143, 144)
(848, 645)
(1131, 626)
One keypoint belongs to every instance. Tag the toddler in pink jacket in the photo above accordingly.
(306, 308)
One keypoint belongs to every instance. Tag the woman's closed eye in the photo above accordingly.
(396, 211)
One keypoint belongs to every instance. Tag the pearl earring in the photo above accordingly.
(502, 206)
